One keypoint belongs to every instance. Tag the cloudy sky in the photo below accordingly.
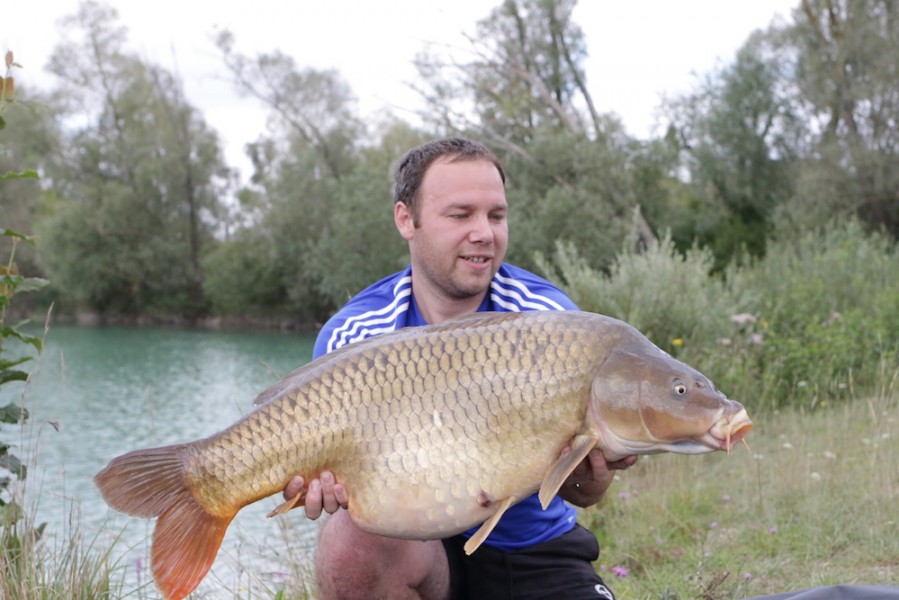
(639, 50)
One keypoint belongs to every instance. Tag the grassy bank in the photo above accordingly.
(807, 339)
(812, 503)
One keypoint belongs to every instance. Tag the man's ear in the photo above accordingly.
(402, 218)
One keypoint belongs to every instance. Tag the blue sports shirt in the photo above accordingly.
(389, 305)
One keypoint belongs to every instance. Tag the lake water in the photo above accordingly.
(109, 390)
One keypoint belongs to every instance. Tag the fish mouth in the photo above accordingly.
(730, 430)
(723, 435)
(699, 445)
(725, 432)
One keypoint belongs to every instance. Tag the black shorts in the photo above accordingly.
(559, 568)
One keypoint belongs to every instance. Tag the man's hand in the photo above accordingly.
(584, 487)
(590, 479)
(323, 494)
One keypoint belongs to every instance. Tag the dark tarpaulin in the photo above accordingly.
(839, 592)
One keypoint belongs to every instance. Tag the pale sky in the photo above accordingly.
(639, 50)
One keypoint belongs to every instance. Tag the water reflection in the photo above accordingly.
(111, 390)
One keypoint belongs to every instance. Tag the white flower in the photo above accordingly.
(742, 318)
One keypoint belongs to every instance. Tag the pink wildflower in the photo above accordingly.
(620, 571)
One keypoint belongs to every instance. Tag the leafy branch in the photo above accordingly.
(11, 283)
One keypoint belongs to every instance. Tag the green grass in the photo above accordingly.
(812, 503)
(38, 567)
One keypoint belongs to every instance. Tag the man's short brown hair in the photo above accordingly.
(410, 169)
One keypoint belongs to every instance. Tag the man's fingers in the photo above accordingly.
(329, 501)
(294, 486)
(624, 463)
(313, 503)
(323, 495)
(342, 497)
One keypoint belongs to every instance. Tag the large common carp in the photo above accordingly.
(431, 430)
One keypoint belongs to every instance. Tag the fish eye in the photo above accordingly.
(680, 389)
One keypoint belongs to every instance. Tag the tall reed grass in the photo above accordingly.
(36, 564)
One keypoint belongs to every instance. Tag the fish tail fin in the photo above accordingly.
(185, 543)
(151, 483)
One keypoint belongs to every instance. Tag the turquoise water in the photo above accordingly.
(99, 392)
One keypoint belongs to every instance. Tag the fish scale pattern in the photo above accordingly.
(436, 418)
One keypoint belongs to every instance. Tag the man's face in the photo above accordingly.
(460, 237)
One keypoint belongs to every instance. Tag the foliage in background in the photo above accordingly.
(141, 218)
(840, 77)
(524, 93)
(28, 568)
(12, 283)
(813, 319)
(825, 307)
(736, 135)
(140, 188)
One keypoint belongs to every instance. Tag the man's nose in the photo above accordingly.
(481, 230)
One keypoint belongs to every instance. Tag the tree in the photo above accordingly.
(315, 107)
(359, 243)
(32, 141)
(843, 57)
(526, 73)
(318, 208)
(524, 93)
(737, 136)
(141, 188)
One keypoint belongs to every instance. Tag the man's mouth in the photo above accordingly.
(478, 260)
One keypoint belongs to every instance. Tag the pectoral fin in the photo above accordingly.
(289, 504)
(484, 530)
(564, 465)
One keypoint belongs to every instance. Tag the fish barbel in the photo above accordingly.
(431, 430)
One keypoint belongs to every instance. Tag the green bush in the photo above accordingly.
(828, 310)
(241, 273)
(813, 322)
(669, 297)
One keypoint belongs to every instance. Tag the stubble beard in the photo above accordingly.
(456, 286)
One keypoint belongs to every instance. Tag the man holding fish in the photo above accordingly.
(450, 206)
(423, 433)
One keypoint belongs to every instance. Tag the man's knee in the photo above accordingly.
(351, 563)
(345, 566)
